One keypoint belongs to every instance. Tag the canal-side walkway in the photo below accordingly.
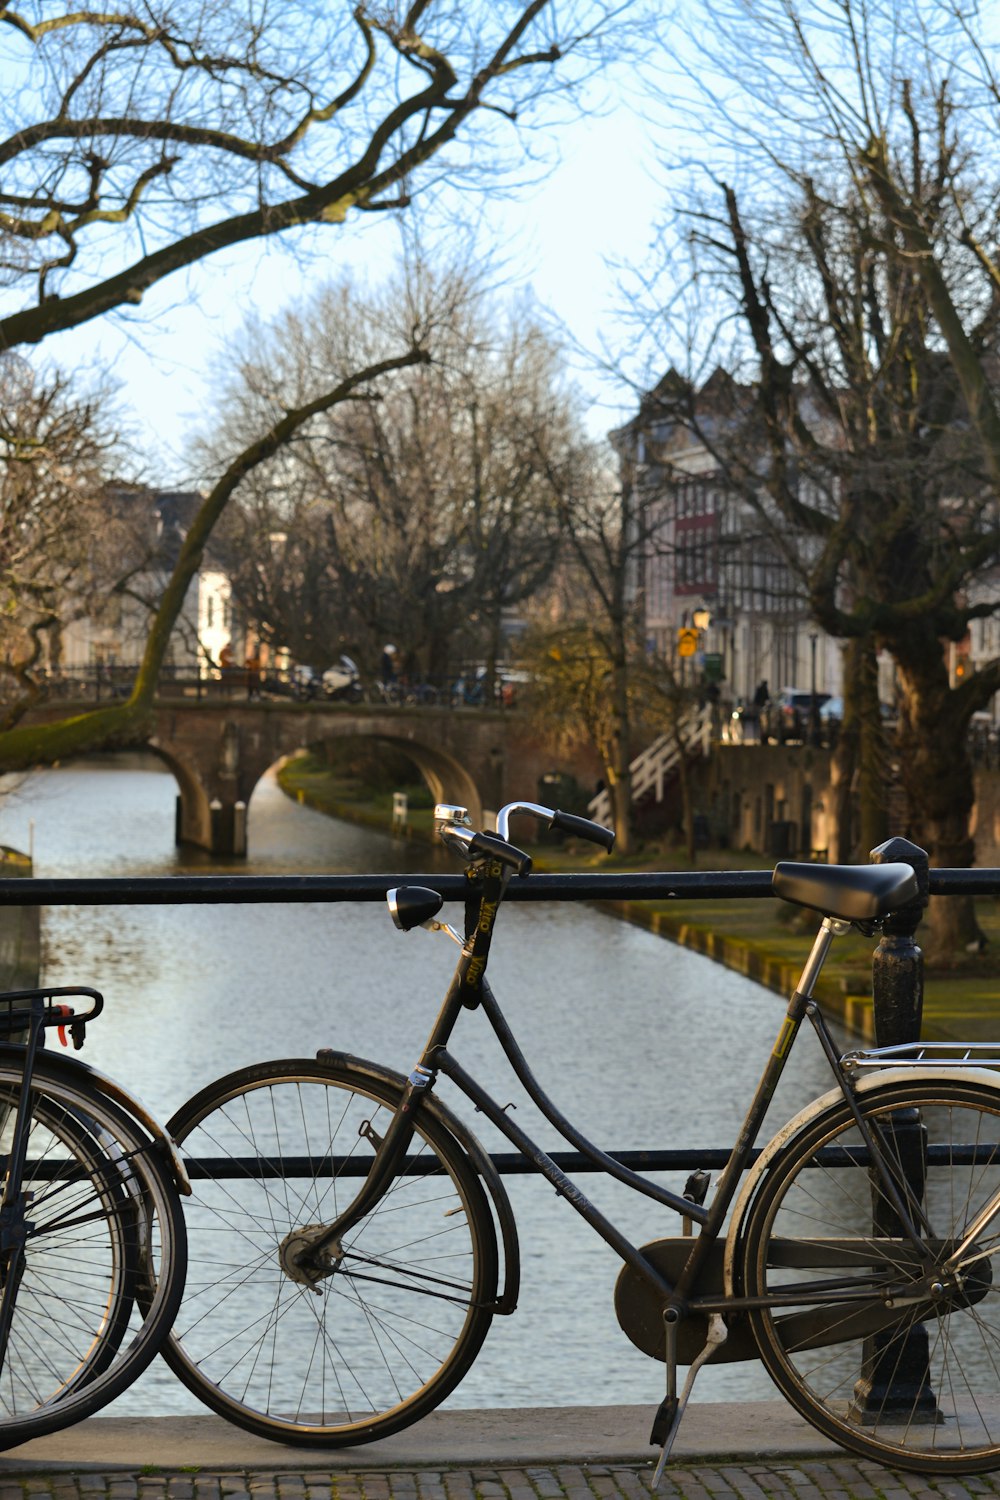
(750, 1451)
(759, 1480)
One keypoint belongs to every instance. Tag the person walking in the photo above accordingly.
(387, 671)
(253, 672)
(761, 698)
(226, 665)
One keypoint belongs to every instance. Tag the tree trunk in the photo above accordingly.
(130, 723)
(843, 844)
(115, 727)
(620, 758)
(619, 777)
(860, 761)
(687, 807)
(936, 772)
(873, 758)
(846, 758)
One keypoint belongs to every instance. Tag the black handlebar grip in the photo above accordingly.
(488, 843)
(584, 828)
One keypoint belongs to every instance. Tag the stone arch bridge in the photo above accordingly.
(219, 749)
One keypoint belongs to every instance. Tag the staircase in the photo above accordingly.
(655, 768)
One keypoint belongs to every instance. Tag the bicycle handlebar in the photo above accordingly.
(452, 825)
(467, 843)
(584, 828)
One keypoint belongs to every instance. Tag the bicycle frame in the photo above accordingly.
(469, 988)
(853, 1251)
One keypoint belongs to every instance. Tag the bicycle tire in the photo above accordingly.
(914, 1384)
(386, 1340)
(103, 1255)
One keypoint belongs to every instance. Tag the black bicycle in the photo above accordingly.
(92, 1237)
(351, 1241)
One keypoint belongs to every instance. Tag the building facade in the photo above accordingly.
(715, 595)
(113, 634)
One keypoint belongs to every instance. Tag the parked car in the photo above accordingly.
(342, 681)
(786, 716)
(831, 716)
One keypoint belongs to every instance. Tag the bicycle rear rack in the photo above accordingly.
(925, 1055)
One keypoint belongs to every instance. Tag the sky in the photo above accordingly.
(559, 237)
(563, 235)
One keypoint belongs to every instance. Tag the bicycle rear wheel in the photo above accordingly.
(904, 1365)
(102, 1263)
(383, 1338)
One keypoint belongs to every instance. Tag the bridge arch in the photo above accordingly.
(193, 819)
(218, 753)
(218, 749)
(448, 780)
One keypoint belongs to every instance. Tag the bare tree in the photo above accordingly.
(65, 541)
(145, 138)
(416, 517)
(129, 722)
(602, 524)
(594, 680)
(148, 138)
(865, 289)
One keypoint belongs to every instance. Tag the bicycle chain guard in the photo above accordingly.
(640, 1311)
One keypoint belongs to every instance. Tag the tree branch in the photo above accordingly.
(129, 722)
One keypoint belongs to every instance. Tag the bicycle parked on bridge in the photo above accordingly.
(351, 1241)
(92, 1235)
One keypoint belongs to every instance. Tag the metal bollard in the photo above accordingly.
(896, 1371)
(400, 812)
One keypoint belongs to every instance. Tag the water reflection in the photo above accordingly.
(641, 1042)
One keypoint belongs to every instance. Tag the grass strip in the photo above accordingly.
(765, 940)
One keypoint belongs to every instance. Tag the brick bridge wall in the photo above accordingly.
(218, 749)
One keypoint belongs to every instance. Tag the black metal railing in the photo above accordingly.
(897, 989)
(106, 683)
(897, 965)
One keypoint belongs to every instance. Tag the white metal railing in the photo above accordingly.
(655, 765)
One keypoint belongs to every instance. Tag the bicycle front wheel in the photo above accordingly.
(275, 1152)
(891, 1349)
(97, 1278)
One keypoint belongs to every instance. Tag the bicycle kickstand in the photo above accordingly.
(668, 1416)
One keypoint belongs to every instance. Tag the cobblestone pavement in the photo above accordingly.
(836, 1479)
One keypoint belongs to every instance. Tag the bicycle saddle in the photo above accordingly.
(855, 893)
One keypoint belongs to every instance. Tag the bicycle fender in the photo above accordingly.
(805, 1117)
(83, 1073)
(477, 1154)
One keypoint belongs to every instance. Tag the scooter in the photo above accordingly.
(340, 682)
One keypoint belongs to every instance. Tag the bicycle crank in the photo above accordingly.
(640, 1311)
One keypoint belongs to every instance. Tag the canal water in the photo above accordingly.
(643, 1043)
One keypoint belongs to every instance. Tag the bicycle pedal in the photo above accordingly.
(665, 1425)
(666, 1414)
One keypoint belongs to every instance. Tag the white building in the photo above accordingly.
(114, 635)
